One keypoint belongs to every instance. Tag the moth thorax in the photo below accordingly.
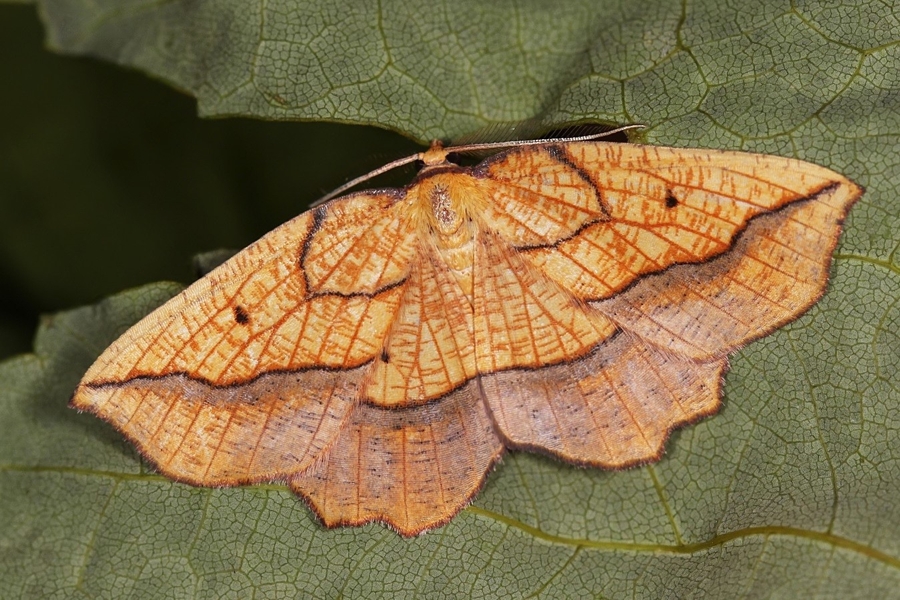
(446, 217)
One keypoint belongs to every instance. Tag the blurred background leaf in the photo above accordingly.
(108, 180)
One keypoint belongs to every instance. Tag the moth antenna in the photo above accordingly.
(466, 148)
(355, 182)
(519, 143)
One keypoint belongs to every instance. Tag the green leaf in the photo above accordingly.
(790, 491)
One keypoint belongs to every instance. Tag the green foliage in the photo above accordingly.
(790, 491)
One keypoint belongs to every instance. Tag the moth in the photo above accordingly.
(380, 352)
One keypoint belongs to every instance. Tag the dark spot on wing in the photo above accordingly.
(241, 316)
(671, 200)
